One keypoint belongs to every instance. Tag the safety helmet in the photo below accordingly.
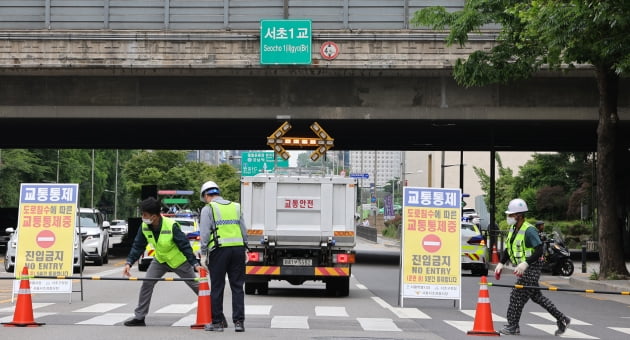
(210, 188)
(516, 205)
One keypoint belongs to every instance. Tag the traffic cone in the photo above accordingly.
(204, 310)
(483, 316)
(23, 316)
(495, 255)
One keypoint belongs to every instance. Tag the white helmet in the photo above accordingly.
(516, 205)
(206, 187)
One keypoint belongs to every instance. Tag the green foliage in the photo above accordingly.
(392, 227)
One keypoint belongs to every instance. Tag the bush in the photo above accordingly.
(392, 227)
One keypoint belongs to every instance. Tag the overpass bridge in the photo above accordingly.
(187, 74)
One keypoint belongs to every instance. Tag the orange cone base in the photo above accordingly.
(493, 333)
(22, 324)
(198, 326)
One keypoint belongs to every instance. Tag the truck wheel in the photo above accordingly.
(263, 288)
(250, 288)
(343, 286)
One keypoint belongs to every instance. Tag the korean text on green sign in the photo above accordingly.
(285, 41)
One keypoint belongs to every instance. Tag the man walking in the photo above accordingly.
(223, 237)
(172, 252)
(524, 249)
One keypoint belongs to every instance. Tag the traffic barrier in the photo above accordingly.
(204, 304)
(556, 289)
(105, 278)
(23, 316)
(483, 316)
(495, 255)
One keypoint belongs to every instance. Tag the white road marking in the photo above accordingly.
(378, 324)
(300, 322)
(99, 308)
(177, 308)
(621, 329)
(35, 317)
(186, 321)
(106, 319)
(403, 313)
(472, 313)
(570, 333)
(463, 326)
(360, 286)
(549, 317)
(257, 309)
(330, 311)
(35, 305)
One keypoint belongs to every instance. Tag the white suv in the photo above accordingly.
(94, 234)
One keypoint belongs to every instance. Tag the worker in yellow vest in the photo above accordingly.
(172, 253)
(223, 238)
(525, 249)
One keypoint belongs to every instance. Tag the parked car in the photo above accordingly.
(474, 253)
(188, 226)
(10, 254)
(95, 235)
(118, 227)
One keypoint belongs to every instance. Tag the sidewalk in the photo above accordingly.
(579, 280)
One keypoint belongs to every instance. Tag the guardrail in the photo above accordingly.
(368, 233)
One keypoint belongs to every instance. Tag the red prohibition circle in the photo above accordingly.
(431, 243)
(45, 238)
(329, 50)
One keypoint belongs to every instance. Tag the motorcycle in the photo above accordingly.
(556, 257)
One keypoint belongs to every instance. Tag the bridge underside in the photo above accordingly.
(360, 113)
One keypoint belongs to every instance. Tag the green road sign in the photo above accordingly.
(259, 161)
(285, 42)
(175, 200)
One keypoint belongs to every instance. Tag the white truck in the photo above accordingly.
(299, 228)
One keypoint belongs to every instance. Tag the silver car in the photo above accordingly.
(94, 234)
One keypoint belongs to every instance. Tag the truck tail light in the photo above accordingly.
(343, 258)
(254, 256)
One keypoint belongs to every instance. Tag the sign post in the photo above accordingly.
(286, 42)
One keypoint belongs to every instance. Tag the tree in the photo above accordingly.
(555, 35)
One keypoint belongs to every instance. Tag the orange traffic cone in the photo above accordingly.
(495, 255)
(204, 310)
(483, 316)
(23, 316)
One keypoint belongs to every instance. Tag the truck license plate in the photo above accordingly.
(297, 262)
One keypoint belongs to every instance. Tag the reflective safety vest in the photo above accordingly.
(166, 251)
(517, 249)
(227, 223)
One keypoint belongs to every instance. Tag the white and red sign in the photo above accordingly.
(329, 50)
(431, 243)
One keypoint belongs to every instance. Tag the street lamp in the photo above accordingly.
(115, 202)
(461, 170)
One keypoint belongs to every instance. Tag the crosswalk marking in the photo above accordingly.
(463, 326)
(551, 329)
(35, 306)
(36, 317)
(621, 329)
(186, 321)
(280, 321)
(378, 325)
(549, 317)
(257, 309)
(402, 313)
(99, 308)
(330, 311)
(108, 319)
(472, 313)
(177, 308)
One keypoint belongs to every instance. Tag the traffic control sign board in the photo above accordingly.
(360, 175)
(286, 42)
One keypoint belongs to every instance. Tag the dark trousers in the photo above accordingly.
(520, 296)
(230, 261)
